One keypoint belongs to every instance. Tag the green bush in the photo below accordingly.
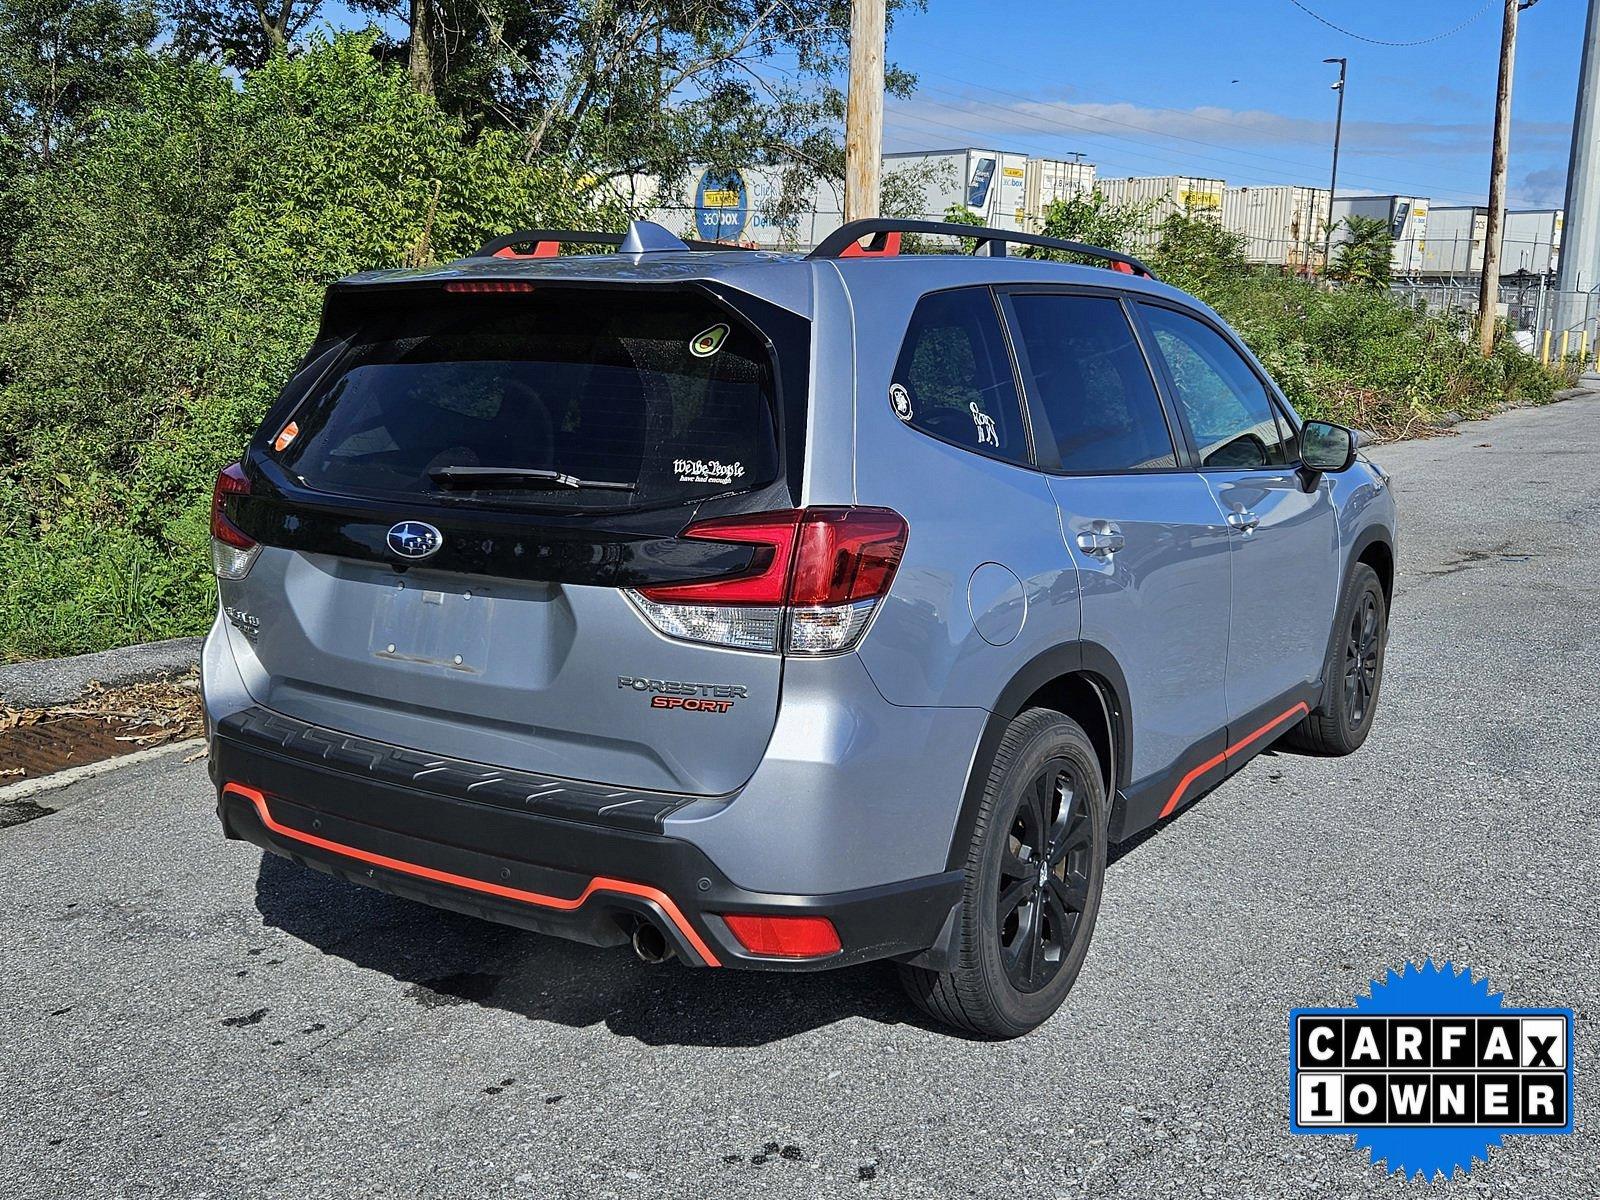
(167, 279)
(1354, 355)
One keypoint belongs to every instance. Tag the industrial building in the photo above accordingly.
(1282, 226)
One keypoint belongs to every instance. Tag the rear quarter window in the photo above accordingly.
(954, 379)
(632, 398)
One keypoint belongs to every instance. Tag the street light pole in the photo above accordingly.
(1333, 181)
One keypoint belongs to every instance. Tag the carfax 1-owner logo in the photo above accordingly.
(1430, 1071)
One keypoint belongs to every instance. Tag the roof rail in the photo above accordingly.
(885, 232)
(547, 243)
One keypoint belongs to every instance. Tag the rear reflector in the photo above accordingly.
(233, 552)
(814, 579)
(784, 937)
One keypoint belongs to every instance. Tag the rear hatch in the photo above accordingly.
(458, 493)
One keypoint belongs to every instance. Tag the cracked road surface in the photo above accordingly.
(181, 1017)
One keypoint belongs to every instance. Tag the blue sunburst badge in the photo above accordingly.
(1430, 1070)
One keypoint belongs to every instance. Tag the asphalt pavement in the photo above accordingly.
(181, 1017)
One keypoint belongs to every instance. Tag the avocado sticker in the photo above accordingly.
(708, 342)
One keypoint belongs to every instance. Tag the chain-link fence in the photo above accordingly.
(1554, 325)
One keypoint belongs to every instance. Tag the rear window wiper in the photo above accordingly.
(519, 477)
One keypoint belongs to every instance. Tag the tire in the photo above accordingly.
(1352, 674)
(1022, 940)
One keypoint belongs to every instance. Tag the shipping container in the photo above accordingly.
(1162, 196)
(1282, 226)
(1052, 179)
(739, 206)
(1406, 216)
(991, 183)
(1455, 241)
(1532, 241)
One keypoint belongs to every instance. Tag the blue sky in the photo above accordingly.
(1239, 90)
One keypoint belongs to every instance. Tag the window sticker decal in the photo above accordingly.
(900, 400)
(985, 423)
(286, 437)
(708, 341)
(701, 470)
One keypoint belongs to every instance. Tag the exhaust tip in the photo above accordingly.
(650, 944)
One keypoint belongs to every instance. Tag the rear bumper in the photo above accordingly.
(586, 879)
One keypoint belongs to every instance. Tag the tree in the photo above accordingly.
(1366, 258)
(60, 61)
(619, 87)
(1090, 217)
(1197, 254)
(243, 33)
(170, 273)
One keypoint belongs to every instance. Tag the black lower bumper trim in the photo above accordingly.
(591, 883)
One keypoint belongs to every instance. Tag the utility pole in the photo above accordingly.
(863, 121)
(1489, 290)
(1580, 238)
(1333, 180)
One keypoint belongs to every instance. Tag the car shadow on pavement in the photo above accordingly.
(447, 958)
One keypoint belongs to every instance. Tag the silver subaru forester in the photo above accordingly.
(780, 611)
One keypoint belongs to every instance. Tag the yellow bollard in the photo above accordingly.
(1565, 334)
(1583, 338)
(1544, 355)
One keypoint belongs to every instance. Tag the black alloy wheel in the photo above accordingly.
(1362, 648)
(1044, 877)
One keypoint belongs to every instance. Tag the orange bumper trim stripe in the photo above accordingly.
(1183, 784)
(599, 883)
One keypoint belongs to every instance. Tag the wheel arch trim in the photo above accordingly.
(1092, 663)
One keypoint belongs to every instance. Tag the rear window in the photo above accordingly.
(561, 398)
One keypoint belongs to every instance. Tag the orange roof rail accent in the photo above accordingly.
(845, 242)
(885, 244)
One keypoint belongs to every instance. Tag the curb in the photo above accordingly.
(29, 788)
(48, 681)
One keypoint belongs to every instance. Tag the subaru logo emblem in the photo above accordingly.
(414, 539)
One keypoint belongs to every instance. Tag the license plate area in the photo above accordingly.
(433, 627)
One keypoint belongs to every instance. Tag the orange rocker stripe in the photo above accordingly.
(1183, 784)
(599, 883)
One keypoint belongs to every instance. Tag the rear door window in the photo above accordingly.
(1095, 404)
(571, 398)
(954, 378)
(1224, 401)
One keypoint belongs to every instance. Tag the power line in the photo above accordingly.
(1190, 114)
(1360, 37)
(1286, 169)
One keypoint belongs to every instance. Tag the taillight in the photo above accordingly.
(784, 937)
(812, 585)
(233, 552)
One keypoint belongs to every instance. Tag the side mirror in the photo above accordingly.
(1325, 446)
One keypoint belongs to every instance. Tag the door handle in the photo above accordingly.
(1243, 519)
(1102, 538)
